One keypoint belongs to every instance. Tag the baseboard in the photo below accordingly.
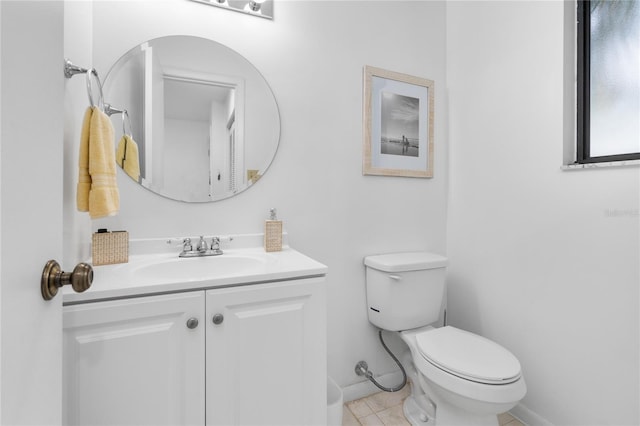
(528, 417)
(366, 388)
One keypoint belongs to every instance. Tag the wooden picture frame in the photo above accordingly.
(398, 111)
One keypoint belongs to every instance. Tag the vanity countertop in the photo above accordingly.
(157, 273)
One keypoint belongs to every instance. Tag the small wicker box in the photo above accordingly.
(272, 235)
(108, 248)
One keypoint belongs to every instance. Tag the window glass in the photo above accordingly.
(615, 77)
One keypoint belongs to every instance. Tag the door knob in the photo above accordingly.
(53, 278)
(192, 323)
(217, 319)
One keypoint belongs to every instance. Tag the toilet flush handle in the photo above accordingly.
(396, 277)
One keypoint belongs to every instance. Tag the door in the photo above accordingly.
(137, 361)
(31, 197)
(266, 354)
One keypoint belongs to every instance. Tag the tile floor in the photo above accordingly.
(385, 409)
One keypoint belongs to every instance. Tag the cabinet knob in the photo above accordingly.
(218, 318)
(192, 323)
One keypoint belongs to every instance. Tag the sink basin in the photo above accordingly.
(199, 268)
(155, 268)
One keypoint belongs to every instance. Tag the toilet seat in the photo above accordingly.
(468, 356)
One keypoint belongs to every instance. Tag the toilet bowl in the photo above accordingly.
(468, 378)
(457, 377)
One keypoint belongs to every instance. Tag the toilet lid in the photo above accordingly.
(468, 356)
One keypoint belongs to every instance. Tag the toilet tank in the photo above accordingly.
(404, 290)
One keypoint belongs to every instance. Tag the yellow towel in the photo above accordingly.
(104, 199)
(127, 157)
(121, 151)
(84, 179)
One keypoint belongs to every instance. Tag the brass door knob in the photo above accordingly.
(53, 278)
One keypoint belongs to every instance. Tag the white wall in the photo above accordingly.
(312, 55)
(544, 261)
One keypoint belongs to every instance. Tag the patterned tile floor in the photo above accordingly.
(385, 409)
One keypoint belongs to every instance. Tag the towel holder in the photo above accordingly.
(70, 69)
(110, 110)
(126, 119)
(100, 103)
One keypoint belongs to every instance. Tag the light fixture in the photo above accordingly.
(261, 8)
(254, 5)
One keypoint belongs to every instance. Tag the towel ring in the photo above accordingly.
(126, 119)
(100, 103)
(70, 69)
(110, 110)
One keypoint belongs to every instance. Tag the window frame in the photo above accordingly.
(583, 93)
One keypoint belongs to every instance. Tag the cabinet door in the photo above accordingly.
(266, 362)
(135, 361)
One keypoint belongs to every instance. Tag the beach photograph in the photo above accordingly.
(399, 124)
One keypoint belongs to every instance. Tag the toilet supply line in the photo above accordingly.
(362, 369)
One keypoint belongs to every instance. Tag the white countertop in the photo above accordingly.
(132, 278)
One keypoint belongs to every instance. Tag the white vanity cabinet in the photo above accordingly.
(266, 360)
(144, 360)
(134, 361)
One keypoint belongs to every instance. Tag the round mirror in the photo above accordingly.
(200, 117)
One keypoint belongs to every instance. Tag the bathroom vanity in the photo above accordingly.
(241, 339)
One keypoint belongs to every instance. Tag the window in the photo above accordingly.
(608, 89)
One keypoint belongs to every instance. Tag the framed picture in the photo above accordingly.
(398, 124)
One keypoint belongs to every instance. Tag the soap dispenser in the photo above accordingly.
(273, 233)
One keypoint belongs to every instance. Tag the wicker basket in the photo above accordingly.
(108, 248)
(272, 235)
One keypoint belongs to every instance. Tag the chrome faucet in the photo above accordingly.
(202, 245)
(215, 243)
(202, 248)
(186, 245)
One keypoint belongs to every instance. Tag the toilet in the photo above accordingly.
(457, 377)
